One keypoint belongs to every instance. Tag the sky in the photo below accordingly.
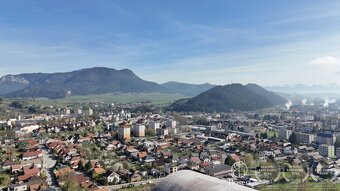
(194, 41)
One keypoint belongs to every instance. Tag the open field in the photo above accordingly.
(123, 98)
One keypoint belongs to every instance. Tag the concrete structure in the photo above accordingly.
(186, 180)
(284, 133)
(162, 132)
(29, 128)
(154, 125)
(78, 111)
(67, 111)
(305, 138)
(337, 153)
(326, 150)
(139, 130)
(90, 112)
(171, 123)
(326, 138)
(124, 132)
(170, 168)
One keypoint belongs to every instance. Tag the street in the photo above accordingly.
(119, 186)
(48, 165)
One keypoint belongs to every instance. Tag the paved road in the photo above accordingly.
(119, 186)
(48, 166)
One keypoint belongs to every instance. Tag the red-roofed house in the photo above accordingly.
(31, 155)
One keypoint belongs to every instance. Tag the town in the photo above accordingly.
(100, 146)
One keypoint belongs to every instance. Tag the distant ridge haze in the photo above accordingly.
(88, 81)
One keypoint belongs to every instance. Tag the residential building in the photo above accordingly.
(338, 153)
(326, 138)
(284, 133)
(170, 168)
(305, 138)
(124, 132)
(154, 125)
(139, 130)
(326, 150)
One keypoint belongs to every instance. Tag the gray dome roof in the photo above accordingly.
(186, 180)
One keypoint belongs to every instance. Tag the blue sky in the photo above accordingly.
(219, 41)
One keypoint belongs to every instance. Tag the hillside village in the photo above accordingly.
(113, 146)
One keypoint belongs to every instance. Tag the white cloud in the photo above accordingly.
(326, 61)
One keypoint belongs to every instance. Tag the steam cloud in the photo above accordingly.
(289, 104)
(328, 101)
(304, 101)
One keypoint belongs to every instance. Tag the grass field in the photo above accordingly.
(123, 98)
(146, 187)
(314, 186)
(271, 133)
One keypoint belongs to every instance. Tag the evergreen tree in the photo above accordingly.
(229, 161)
(264, 135)
(293, 139)
(88, 166)
(81, 167)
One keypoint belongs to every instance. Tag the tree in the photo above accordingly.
(16, 105)
(88, 166)
(229, 161)
(81, 167)
(271, 157)
(264, 135)
(4, 180)
(32, 109)
(274, 135)
(248, 159)
(118, 166)
(293, 139)
(150, 132)
(71, 185)
(315, 130)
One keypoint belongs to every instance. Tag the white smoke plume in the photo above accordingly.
(304, 101)
(328, 101)
(289, 104)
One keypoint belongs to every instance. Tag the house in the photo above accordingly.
(98, 171)
(32, 171)
(142, 155)
(170, 168)
(235, 157)
(136, 177)
(112, 177)
(7, 165)
(33, 162)
(219, 170)
(18, 187)
(36, 183)
(32, 155)
(194, 166)
(165, 154)
(63, 171)
(16, 168)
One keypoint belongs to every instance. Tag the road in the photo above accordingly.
(119, 186)
(48, 166)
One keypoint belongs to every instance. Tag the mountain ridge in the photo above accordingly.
(88, 81)
(231, 97)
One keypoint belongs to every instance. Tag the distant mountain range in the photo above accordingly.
(236, 97)
(306, 89)
(88, 81)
